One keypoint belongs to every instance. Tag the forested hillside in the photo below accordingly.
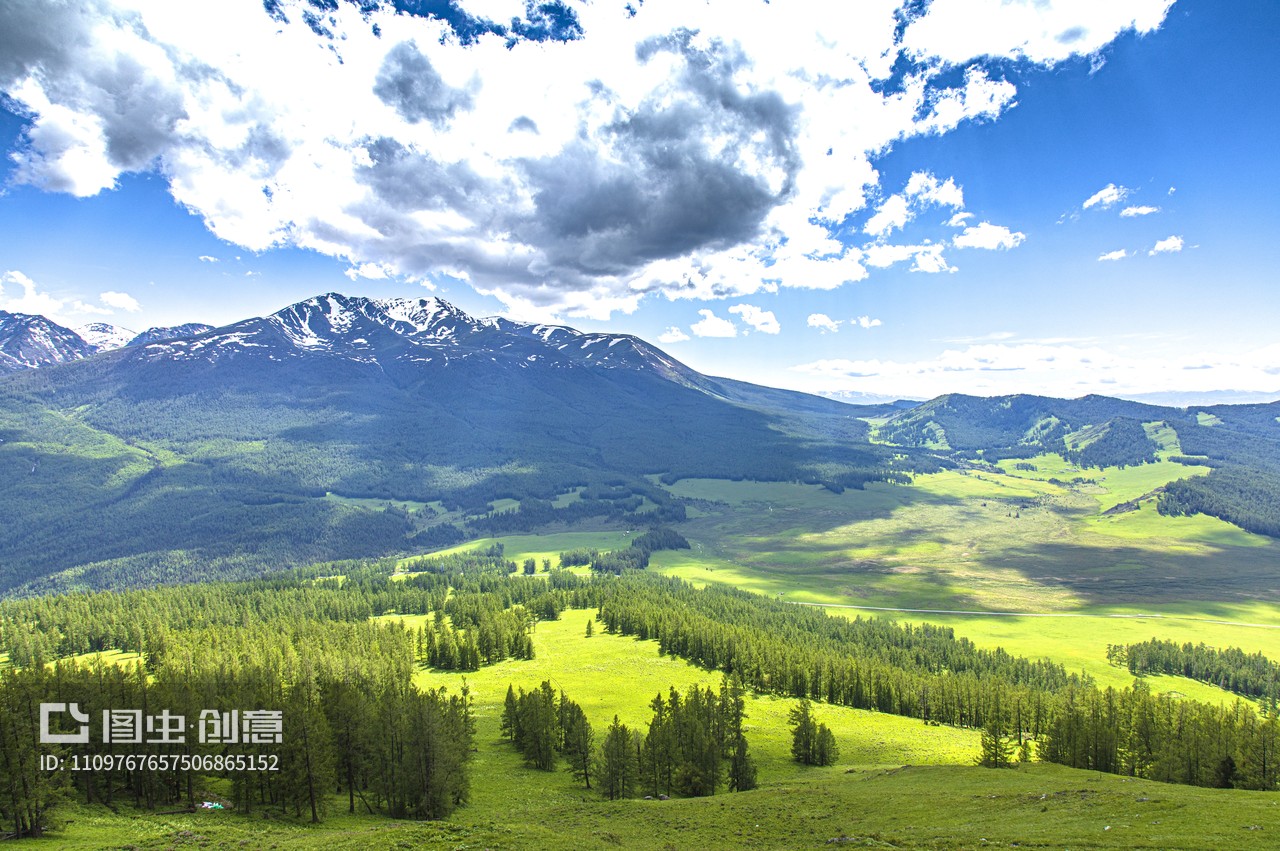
(346, 427)
(326, 648)
(1241, 442)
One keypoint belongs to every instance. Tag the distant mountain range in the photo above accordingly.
(350, 427)
(284, 438)
(30, 342)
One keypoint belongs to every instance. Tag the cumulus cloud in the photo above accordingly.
(927, 257)
(1043, 31)
(713, 326)
(922, 190)
(1118, 254)
(891, 215)
(18, 294)
(761, 320)
(672, 335)
(988, 236)
(1106, 197)
(1130, 212)
(371, 271)
(120, 301)
(1168, 245)
(867, 322)
(205, 258)
(560, 157)
(823, 322)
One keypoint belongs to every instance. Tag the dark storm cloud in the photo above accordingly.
(139, 113)
(53, 42)
(665, 191)
(410, 84)
(406, 180)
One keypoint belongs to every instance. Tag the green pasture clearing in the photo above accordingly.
(970, 540)
(374, 503)
(520, 547)
(1079, 641)
(498, 506)
(564, 500)
(618, 675)
(119, 658)
(1165, 438)
(1175, 534)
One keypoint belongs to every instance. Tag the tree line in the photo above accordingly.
(695, 743)
(1232, 669)
(333, 704)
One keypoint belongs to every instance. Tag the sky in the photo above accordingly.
(888, 200)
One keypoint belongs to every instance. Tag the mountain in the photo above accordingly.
(346, 427)
(32, 341)
(1008, 426)
(157, 335)
(104, 336)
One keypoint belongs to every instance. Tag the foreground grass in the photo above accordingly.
(932, 807)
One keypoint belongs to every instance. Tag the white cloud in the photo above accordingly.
(1063, 369)
(120, 301)
(1043, 31)
(867, 322)
(372, 271)
(989, 236)
(823, 322)
(1118, 254)
(761, 320)
(929, 259)
(1106, 197)
(528, 170)
(713, 326)
(958, 220)
(927, 189)
(1168, 245)
(922, 190)
(205, 258)
(891, 215)
(1130, 212)
(20, 294)
(926, 258)
(31, 300)
(672, 335)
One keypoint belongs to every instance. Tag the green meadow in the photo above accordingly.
(1046, 569)
(1007, 559)
(897, 784)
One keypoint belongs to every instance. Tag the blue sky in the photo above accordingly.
(963, 196)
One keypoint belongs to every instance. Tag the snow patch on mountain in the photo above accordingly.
(104, 336)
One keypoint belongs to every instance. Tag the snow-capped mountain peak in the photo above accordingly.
(28, 341)
(104, 336)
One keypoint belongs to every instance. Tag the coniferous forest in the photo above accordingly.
(309, 645)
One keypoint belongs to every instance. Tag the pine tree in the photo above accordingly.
(996, 749)
(616, 766)
(579, 742)
(804, 732)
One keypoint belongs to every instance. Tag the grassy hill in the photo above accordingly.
(898, 784)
